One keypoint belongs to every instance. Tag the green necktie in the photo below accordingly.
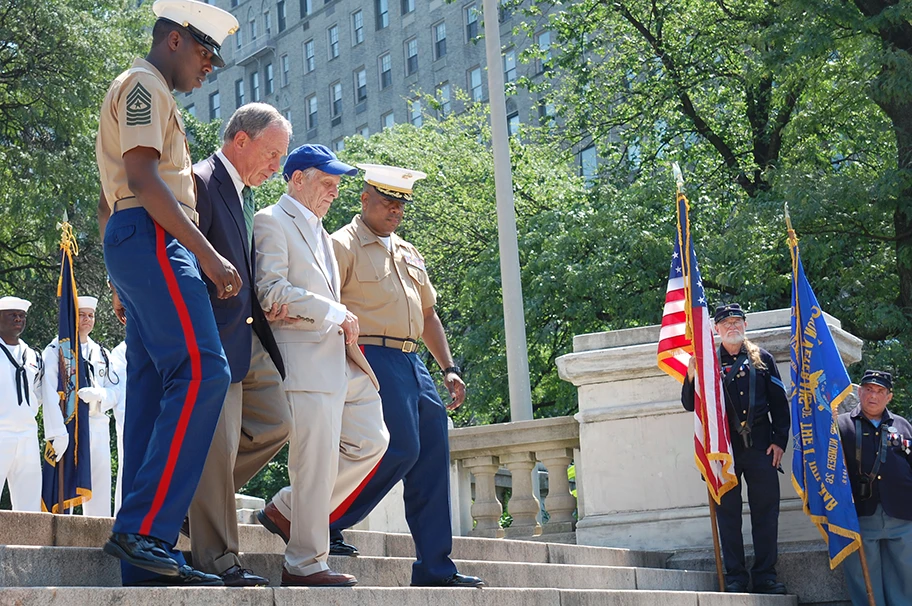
(249, 210)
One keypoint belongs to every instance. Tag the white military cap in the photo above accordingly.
(209, 25)
(391, 181)
(14, 303)
(88, 302)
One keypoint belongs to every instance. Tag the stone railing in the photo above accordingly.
(482, 451)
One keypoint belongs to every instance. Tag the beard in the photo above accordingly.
(733, 340)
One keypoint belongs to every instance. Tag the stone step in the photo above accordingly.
(35, 566)
(17, 528)
(413, 596)
(804, 567)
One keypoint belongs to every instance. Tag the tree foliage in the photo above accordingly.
(805, 102)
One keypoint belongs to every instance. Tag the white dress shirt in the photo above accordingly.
(235, 176)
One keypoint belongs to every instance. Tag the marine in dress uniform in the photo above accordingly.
(877, 450)
(758, 418)
(20, 399)
(385, 283)
(338, 434)
(177, 374)
(256, 419)
(101, 396)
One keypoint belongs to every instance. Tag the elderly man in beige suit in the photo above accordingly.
(338, 435)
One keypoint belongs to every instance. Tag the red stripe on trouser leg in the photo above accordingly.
(196, 375)
(343, 507)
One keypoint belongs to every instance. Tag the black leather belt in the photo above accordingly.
(403, 345)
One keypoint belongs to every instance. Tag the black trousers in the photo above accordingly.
(756, 468)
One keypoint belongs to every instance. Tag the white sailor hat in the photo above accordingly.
(391, 181)
(88, 302)
(14, 303)
(209, 25)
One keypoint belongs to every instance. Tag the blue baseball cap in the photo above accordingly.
(315, 156)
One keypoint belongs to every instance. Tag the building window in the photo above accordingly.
(310, 62)
(364, 131)
(287, 114)
(268, 19)
(504, 12)
(335, 98)
(546, 111)
(286, 68)
(333, 35)
(310, 103)
(386, 70)
(543, 40)
(270, 86)
(475, 84)
(253, 30)
(239, 38)
(382, 11)
(439, 39)
(470, 13)
(306, 7)
(339, 144)
(360, 85)
(234, 3)
(588, 159)
(255, 86)
(443, 98)
(387, 120)
(280, 10)
(191, 110)
(411, 56)
(414, 112)
(357, 27)
(513, 124)
(215, 106)
(239, 98)
(408, 6)
(510, 65)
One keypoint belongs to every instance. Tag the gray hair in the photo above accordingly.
(309, 174)
(253, 119)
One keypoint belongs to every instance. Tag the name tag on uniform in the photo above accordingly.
(414, 261)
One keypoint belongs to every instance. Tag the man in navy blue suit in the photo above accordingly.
(255, 419)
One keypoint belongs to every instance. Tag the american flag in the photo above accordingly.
(686, 333)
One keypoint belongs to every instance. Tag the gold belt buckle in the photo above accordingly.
(409, 347)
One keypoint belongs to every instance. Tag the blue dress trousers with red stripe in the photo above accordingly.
(177, 377)
(418, 454)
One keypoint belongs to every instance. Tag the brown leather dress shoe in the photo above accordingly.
(273, 520)
(324, 578)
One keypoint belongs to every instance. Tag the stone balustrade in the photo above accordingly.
(520, 446)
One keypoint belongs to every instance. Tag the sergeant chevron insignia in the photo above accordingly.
(139, 106)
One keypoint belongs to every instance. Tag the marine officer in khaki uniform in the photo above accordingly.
(177, 374)
(385, 283)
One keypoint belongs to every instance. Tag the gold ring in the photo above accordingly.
(229, 287)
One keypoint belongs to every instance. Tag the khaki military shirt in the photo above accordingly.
(139, 111)
(387, 290)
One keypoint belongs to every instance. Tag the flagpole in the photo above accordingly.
(716, 548)
(793, 247)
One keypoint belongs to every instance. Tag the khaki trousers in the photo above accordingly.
(337, 439)
(254, 424)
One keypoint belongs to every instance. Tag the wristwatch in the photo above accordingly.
(453, 369)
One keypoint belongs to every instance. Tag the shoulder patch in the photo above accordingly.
(139, 106)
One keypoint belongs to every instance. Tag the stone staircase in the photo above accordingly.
(57, 560)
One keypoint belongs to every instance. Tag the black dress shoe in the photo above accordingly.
(770, 586)
(457, 580)
(241, 577)
(736, 587)
(186, 577)
(142, 551)
(338, 547)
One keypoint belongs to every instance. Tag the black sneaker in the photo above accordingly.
(186, 577)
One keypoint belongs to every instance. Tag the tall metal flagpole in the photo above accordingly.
(514, 316)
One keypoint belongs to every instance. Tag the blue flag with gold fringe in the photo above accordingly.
(819, 383)
(68, 482)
